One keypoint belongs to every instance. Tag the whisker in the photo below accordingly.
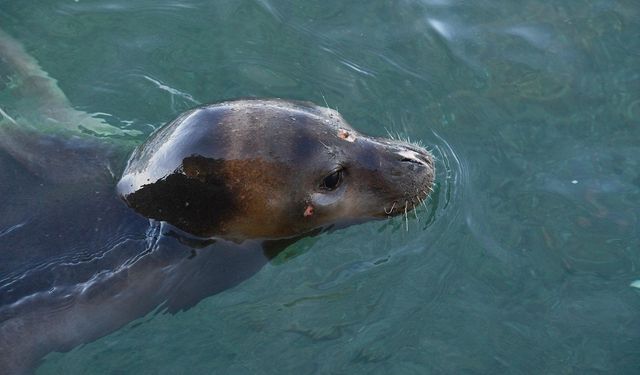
(406, 217)
(420, 199)
(390, 210)
(415, 213)
(430, 191)
(324, 144)
(423, 203)
(389, 133)
(430, 199)
(325, 101)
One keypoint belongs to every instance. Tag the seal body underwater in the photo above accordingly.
(201, 205)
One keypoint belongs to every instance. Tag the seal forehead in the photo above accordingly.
(301, 116)
(282, 132)
(284, 107)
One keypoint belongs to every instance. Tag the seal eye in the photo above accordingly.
(332, 181)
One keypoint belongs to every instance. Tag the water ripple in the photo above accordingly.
(128, 7)
(12, 228)
(441, 27)
(172, 91)
(73, 265)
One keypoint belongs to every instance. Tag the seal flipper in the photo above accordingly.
(36, 116)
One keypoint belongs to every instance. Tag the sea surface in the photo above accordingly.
(526, 259)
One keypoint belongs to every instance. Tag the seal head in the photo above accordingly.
(271, 169)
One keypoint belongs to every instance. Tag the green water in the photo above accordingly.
(525, 260)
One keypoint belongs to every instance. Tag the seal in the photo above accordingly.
(271, 169)
(210, 198)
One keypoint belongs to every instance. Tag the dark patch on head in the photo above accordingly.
(306, 143)
(194, 198)
(285, 135)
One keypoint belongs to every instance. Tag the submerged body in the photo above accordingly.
(226, 187)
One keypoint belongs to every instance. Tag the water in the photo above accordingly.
(526, 258)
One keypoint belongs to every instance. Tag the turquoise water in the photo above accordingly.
(525, 258)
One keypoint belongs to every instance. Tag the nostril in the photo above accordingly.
(410, 157)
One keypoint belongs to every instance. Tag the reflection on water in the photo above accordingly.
(522, 260)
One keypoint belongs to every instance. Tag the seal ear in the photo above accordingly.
(194, 198)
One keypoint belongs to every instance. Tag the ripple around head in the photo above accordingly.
(451, 177)
(439, 216)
